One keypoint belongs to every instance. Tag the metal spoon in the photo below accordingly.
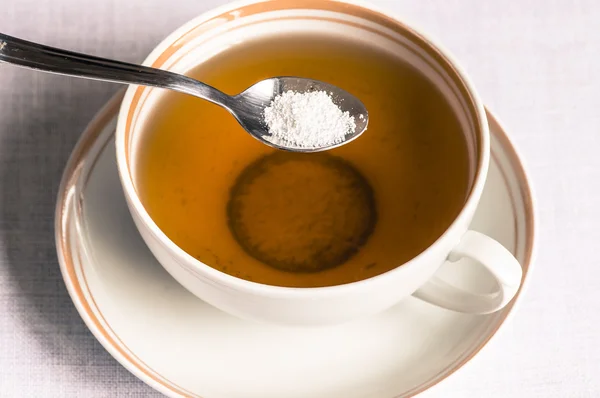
(247, 107)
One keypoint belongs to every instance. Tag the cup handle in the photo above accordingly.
(488, 253)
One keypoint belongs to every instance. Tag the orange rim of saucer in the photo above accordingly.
(91, 314)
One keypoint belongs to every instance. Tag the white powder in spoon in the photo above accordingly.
(307, 120)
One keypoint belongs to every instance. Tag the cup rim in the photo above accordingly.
(471, 202)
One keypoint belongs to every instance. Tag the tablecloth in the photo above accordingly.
(536, 63)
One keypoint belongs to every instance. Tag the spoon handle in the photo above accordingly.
(49, 59)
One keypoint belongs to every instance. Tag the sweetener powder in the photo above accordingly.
(307, 120)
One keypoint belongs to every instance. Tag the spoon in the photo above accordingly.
(247, 107)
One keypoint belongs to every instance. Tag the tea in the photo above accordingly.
(307, 220)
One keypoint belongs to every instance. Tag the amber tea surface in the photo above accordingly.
(305, 220)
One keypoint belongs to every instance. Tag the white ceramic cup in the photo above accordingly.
(209, 34)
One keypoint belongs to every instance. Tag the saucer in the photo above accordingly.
(183, 347)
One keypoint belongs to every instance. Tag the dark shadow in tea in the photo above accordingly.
(301, 212)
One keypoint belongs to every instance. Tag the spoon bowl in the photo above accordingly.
(248, 107)
(250, 104)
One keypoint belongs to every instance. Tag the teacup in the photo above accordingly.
(208, 34)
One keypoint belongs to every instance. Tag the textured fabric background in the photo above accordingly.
(536, 64)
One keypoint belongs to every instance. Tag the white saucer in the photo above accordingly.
(183, 347)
